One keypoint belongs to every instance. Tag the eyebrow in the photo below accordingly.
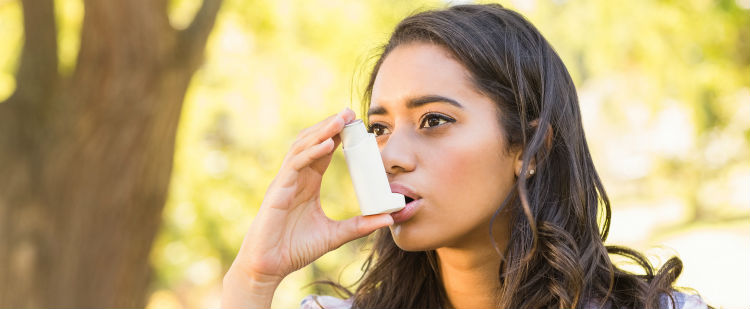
(417, 102)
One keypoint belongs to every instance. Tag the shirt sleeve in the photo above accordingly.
(324, 301)
(685, 301)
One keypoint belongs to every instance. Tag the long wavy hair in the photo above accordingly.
(556, 255)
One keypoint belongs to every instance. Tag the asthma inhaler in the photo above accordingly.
(367, 171)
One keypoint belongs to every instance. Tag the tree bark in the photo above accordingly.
(85, 160)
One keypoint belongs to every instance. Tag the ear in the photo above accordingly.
(518, 162)
(518, 156)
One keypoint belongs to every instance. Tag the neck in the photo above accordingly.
(470, 272)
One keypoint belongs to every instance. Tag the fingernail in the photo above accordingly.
(344, 110)
(389, 219)
(342, 113)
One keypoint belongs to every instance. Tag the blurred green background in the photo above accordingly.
(665, 97)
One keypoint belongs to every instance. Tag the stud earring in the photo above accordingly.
(531, 171)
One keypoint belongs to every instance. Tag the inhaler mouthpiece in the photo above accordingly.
(367, 171)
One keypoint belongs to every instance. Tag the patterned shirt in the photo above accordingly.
(684, 301)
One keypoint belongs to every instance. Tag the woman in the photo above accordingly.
(477, 121)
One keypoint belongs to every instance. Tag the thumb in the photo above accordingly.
(360, 226)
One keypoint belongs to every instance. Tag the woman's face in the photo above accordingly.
(440, 138)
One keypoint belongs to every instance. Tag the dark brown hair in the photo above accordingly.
(556, 255)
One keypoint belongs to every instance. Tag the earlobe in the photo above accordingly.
(518, 163)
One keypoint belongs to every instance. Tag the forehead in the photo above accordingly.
(418, 69)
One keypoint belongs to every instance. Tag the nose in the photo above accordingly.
(398, 153)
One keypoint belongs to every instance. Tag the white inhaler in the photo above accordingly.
(367, 171)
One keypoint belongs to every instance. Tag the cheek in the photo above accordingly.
(471, 173)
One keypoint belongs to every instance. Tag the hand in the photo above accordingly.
(291, 230)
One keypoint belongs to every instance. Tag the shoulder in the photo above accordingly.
(684, 301)
(324, 301)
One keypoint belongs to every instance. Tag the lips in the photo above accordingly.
(413, 202)
(408, 193)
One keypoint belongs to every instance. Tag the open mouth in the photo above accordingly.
(409, 194)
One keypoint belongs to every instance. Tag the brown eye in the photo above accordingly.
(434, 120)
(378, 129)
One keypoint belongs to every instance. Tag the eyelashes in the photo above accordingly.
(376, 129)
(435, 120)
(429, 121)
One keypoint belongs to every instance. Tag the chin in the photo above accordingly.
(406, 239)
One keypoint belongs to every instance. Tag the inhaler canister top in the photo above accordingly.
(367, 171)
(353, 133)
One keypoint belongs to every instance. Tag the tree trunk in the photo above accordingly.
(85, 160)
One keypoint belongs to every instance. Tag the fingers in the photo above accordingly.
(323, 130)
(309, 155)
(319, 140)
(360, 226)
(347, 114)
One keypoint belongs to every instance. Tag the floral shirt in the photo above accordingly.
(684, 301)
(324, 301)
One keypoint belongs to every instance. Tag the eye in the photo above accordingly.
(377, 129)
(434, 120)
